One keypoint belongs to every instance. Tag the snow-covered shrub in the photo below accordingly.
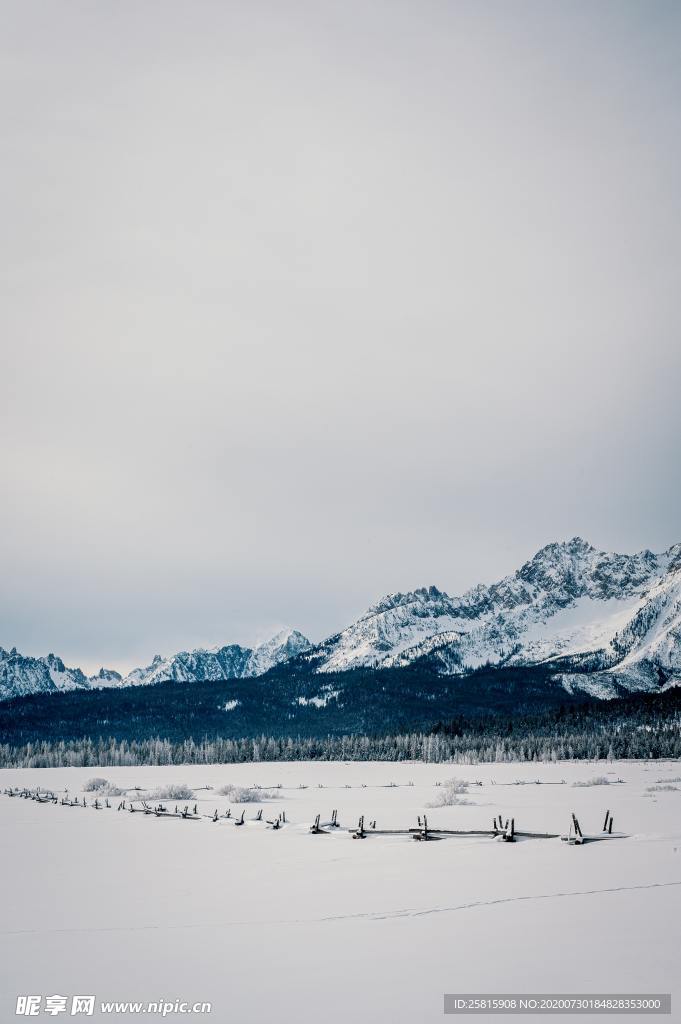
(672, 778)
(173, 791)
(95, 784)
(243, 795)
(456, 785)
(449, 794)
(597, 780)
(663, 788)
(446, 798)
(102, 787)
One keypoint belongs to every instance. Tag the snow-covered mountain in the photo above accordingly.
(604, 619)
(605, 622)
(280, 648)
(21, 675)
(230, 662)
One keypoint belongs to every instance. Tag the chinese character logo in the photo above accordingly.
(28, 1006)
(83, 1004)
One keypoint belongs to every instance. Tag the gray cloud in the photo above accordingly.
(306, 303)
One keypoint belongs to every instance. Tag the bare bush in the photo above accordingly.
(447, 799)
(173, 791)
(664, 788)
(456, 785)
(597, 780)
(102, 787)
(95, 784)
(243, 795)
(449, 794)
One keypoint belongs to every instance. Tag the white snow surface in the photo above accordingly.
(296, 927)
(583, 626)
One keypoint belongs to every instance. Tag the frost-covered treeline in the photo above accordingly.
(621, 730)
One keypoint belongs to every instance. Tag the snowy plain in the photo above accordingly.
(290, 926)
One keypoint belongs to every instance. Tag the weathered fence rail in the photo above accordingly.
(501, 830)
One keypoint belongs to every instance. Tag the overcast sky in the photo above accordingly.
(304, 303)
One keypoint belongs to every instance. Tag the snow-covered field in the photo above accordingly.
(289, 926)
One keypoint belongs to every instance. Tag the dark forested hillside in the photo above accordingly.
(503, 713)
(290, 701)
(644, 726)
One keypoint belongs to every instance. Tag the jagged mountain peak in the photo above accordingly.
(575, 546)
(285, 644)
(420, 596)
(285, 636)
(107, 675)
(566, 570)
(569, 599)
(562, 554)
(556, 564)
(21, 675)
(231, 661)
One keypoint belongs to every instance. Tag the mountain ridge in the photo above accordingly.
(21, 675)
(605, 621)
(568, 600)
